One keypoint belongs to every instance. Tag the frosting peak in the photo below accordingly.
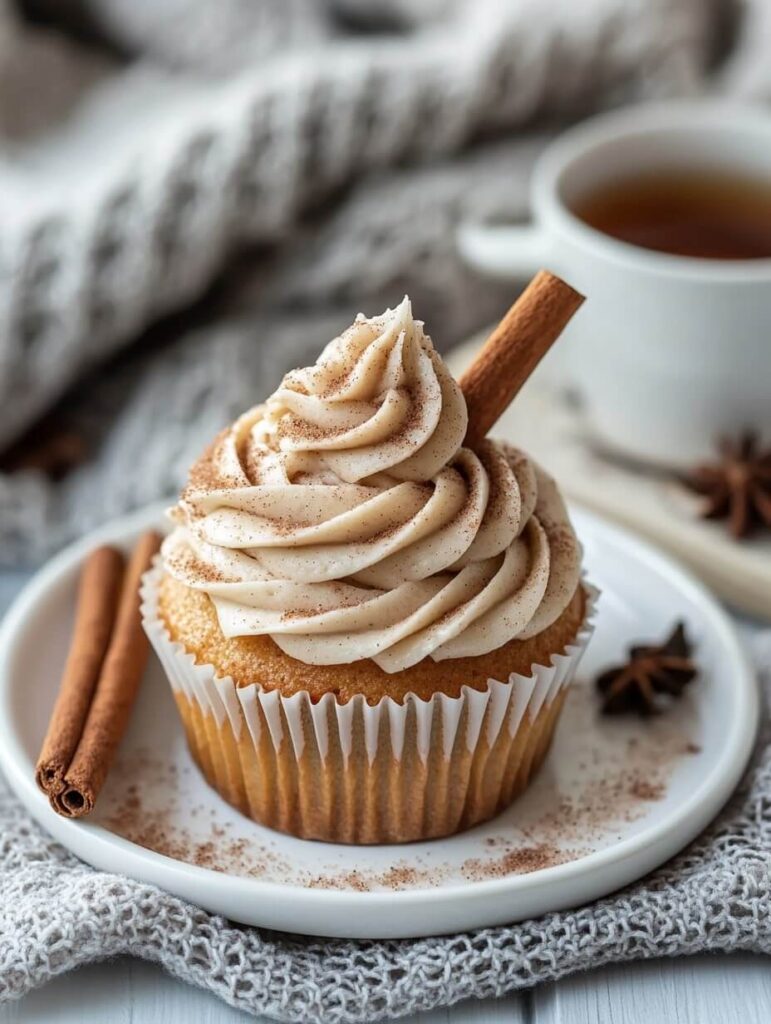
(379, 399)
(345, 519)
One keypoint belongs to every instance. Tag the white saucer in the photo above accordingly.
(615, 798)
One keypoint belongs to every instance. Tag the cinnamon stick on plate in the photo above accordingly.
(94, 619)
(90, 717)
(514, 349)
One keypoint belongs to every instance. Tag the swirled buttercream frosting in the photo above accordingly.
(345, 519)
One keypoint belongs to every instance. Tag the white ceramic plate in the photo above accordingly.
(614, 799)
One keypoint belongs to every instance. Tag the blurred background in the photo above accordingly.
(195, 195)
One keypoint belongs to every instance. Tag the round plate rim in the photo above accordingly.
(687, 820)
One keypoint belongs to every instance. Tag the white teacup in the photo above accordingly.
(668, 352)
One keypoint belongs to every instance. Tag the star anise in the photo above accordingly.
(650, 676)
(737, 486)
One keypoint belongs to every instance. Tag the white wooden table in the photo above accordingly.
(697, 990)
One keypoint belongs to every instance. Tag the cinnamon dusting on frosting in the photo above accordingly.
(344, 519)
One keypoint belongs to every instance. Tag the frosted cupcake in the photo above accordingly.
(368, 627)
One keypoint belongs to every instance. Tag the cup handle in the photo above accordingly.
(505, 250)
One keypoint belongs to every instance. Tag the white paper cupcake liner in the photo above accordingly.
(355, 772)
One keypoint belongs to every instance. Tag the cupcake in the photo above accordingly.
(369, 628)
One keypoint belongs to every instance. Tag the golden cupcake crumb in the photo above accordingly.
(191, 619)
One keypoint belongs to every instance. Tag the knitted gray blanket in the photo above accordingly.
(56, 913)
(294, 162)
(310, 159)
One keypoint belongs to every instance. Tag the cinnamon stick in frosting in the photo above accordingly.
(514, 349)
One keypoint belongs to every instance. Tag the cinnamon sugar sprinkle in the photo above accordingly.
(606, 777)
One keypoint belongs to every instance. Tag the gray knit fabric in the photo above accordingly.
(313, 159)
(57, 913)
